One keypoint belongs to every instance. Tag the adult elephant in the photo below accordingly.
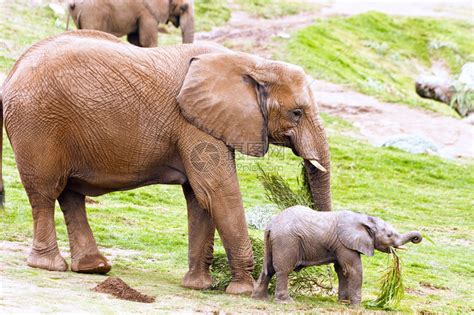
(138, 19)
(87, 114)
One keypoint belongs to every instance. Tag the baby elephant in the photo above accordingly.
(300, 237)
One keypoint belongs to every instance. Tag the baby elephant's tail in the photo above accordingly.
(260, 290)
(267, 267)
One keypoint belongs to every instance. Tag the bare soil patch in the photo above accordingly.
(118, 288)
(377, 121)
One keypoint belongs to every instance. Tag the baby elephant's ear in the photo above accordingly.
(222, 96)
(353, 230)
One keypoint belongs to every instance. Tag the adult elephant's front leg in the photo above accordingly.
(229, 217)
(201, 230)
(210, 168)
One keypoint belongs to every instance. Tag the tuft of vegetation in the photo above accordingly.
(382, 55)
(391, 284)
(463, 99)
(279, 192)
(220, 270)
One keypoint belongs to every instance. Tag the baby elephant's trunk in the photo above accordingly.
(414, 237)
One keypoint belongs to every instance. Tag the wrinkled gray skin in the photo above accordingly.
(300, 237)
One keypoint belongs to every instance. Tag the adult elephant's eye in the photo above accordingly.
(296, 114)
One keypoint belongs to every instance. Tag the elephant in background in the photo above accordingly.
(138, 19)
(134, 117)
(300, 237)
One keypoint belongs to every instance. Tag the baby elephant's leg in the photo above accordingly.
(343, 290)
(352, 268)
(281, 294)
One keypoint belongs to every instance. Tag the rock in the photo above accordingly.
(436, 88)
(467, 75)
(411, 143)
(283, 35)
(259, 216)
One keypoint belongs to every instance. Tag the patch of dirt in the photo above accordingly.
(378, 121)
(432, 287)
(118, 288)
(254, 35)
(426, 289)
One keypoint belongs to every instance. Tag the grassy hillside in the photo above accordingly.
(382, 55)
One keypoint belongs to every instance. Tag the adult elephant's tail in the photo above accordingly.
(2, 190)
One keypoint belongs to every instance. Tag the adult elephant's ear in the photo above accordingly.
(355, 231)
(225, 95)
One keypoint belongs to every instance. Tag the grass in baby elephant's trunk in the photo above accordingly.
(391, 284)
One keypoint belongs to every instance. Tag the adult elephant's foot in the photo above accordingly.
(243, 286)
(197, 280)
(50, 261)
(95, 263)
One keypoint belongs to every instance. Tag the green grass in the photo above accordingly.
(382, 55)
(269, 9)
(210, 13)
(410, 191)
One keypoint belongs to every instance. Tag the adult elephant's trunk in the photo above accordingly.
(314, 148)
(186, 22)
(320, 183)
(414, 237)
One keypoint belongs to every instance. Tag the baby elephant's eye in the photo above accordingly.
(296, 114)
(390, 234)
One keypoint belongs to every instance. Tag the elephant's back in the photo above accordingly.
(81, 72)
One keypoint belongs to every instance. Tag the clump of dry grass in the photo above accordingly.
(279, 192)
(220, 270)
(391, 284)
(308, 281)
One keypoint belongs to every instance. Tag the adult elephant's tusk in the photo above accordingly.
(318, 166)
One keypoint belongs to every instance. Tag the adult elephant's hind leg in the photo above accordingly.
(45, 252)
(201, 232)
(148, 31)
(85, 255)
